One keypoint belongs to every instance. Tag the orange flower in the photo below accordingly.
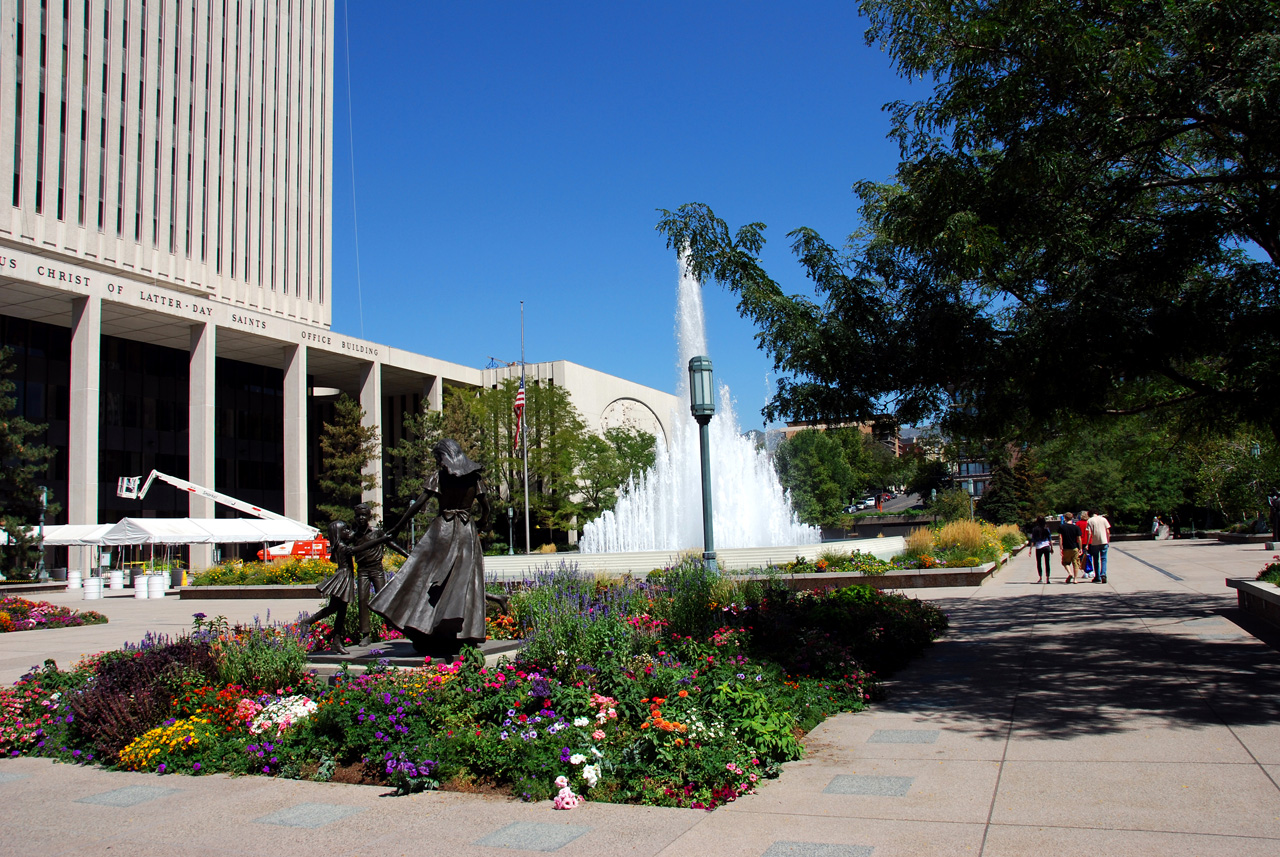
(644, 725)
(683, 693)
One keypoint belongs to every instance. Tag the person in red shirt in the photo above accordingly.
(1083, 523)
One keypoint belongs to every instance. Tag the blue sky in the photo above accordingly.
(511, 151)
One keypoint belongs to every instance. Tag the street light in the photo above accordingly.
(511, 533)
(702, 404)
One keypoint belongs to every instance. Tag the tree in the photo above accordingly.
(22, 463)
(412, 456)
(1086, 219)
(1133, 467)
(347, 446)
(1015, 494)
(812, 466)
(605, 464)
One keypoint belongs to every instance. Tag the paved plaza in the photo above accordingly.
(1139, 717)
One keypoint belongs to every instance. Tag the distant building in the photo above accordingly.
(888, 438)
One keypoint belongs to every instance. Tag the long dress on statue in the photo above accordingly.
(440, 588)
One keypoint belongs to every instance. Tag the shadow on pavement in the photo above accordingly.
(1108, 662)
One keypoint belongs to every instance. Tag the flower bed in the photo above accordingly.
(856, 562)
(684, 692)
(1270, 572)
(958, 544)
(20, 614)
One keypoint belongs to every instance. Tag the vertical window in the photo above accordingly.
(62, 114)
(17, 114)
(40, 99)
(124, 120)
(142, 125)
(102, 121)
(288, 138)
(323, 178)
(84, 117)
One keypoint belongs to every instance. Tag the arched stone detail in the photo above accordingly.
(628, 412)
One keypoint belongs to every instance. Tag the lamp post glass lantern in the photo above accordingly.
(702, 404)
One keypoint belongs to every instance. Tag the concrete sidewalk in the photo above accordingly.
(1137, 717)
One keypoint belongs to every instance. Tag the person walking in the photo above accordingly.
(1043, 544)
(1099, 541)
(1082, 524)
(1069, 546)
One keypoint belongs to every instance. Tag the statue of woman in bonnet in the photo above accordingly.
(437, 597)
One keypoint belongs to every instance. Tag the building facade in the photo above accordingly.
(165, 255)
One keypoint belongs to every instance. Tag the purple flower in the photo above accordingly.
(196, 766)
(161, 769)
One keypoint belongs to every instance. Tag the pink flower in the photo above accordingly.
(598, 735)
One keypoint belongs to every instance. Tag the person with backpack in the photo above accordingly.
(1069, 545)
(1043, 544)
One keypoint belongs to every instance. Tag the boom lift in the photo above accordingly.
(128, 487)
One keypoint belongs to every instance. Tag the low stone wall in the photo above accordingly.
(918, 578)
(220, 593)
(1258, 599)
(1243, 538)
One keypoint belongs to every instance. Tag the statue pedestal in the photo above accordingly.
(401, 653)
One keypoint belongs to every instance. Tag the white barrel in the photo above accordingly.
(140, 588)
(156, 585)
(75, 578)
(115, 579)
(92, 588)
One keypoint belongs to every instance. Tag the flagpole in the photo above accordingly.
(524, 437)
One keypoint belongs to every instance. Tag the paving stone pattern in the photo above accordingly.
(129, 796)
(310, 815)
(531, 836)
(862, 784)
(816, 849)
(904, 736)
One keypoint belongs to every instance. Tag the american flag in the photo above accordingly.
(519, 409)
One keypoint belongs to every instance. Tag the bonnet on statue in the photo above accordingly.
(453, 460)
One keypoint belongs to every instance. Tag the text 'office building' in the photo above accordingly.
(165, 259)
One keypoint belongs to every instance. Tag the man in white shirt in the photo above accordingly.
(1099, 541)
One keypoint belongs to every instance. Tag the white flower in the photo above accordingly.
(596, 752)
(591, 773)
(581, 721)
(577, 759)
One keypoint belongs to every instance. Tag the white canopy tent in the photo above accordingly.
(74, 534)
(203, 531)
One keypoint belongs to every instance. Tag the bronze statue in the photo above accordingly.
(340, 586)
(437, 597)
(366, 551)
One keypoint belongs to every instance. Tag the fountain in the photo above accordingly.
(661, 509)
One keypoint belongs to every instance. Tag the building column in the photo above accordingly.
(202, 386)
(433, 392)
(371, 404)
(82, 442)
(295, 432)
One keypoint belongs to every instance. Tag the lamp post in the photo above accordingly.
(702, 404)
(511, 533)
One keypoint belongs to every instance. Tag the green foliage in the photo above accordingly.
(262, 658)
(1132, 467)
(1083, 222)
(606, 463)
(1015, 493)
(812, 466)
(954, 504)
(347, 446)
(295, 571)
(23, 462)
(1270, 572)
